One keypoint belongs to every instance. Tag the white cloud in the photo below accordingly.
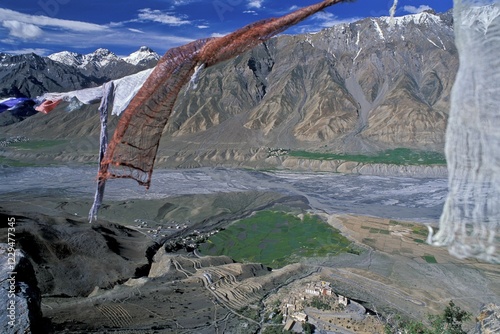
(22, 30)
(217, 34)
(41, 31)
(255, 4)
(112, 37)
(18, 28)
(38, 51)
(155, 15)
(288, 10)
(136, 30)
(253, 12)
(416, 10)
(182, 2)
(45, 21)
(321, 21)
(328, 19)
(201, 26)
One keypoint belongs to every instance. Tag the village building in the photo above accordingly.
(300, 316)
(289, 325)
(343, 300)
(319, 289)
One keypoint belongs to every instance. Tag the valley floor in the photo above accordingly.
(114, 277)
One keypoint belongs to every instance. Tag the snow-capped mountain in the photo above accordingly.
(100, 58)
(32, 75)
(142, 56)
(68, 58)
(103, 57)
(104, 63)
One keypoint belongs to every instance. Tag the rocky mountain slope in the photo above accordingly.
(32, 75)
(355, 87)
(361, 87)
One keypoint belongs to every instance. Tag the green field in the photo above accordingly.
(276, 239)
(398, 156)
(429, 258)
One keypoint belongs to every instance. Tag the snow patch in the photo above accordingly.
(420, 19)
(380, 33)
(308, 40)
(193, 83)
(357, 54)
(433, 43)
(440, 40)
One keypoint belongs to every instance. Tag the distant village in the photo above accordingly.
(158, 231)
(13, 140)
(277, 152)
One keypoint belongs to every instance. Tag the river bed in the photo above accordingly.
(416, 199)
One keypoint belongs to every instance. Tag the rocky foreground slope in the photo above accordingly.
(110, 277)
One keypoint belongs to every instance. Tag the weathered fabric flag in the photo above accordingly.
(132, 150)
(470, 223)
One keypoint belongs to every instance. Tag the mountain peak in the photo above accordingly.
(101, 52)
(142, 56)
(101, 56)
(424, 18)
(68, 58)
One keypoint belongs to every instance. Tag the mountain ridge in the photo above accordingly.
(359, 87)
(345, 89)
(32, 75)
(102, 57)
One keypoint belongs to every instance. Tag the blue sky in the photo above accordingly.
(122, 26)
